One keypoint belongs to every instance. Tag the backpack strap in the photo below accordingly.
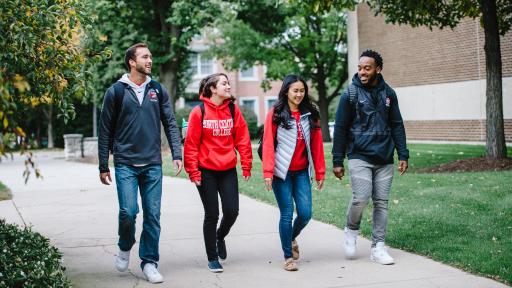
(352, 98)
(352, 93)
(232, 110)
(201, 106)
(118, 104)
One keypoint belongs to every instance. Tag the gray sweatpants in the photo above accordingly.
(367, 181)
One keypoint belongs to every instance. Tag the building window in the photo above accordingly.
(250, 74)
(250, 103)
(200, 65)
(269, 103)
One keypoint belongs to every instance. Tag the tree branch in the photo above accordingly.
(313, 23)
(295, 52)
(337, 90)
(335, 42)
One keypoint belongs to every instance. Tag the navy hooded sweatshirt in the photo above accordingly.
(371, 127)
(136, 140)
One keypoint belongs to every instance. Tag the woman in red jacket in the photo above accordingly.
(216, 128)
(292, 146)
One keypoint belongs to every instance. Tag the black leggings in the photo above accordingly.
(226, 184)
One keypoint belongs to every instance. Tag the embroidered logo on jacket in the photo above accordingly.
(152, 95)
(219, 127)
(388, 101)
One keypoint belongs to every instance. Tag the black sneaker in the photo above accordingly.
(221, 249)
(215, 266)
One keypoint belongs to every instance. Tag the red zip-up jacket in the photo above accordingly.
(316, 145)
(212, 143)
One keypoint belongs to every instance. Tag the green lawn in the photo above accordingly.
(462, 219)
(5, 193)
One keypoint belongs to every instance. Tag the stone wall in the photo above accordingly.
(76, 146)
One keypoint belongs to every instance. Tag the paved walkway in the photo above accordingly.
(79, 215)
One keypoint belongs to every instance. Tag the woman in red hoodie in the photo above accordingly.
(292, 146)
(216, 128)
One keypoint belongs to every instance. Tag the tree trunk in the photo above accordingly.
(323, 106)
(94, 119)
(495, 139)
(169, 69)
(169, 78)
(2, 148)
(50, 126)
(38, 135)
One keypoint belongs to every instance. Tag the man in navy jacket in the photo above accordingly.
(368, 129)
(133, 109)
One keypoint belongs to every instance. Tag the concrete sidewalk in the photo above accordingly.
(79, 215)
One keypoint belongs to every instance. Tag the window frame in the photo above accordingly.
(256, 104)
(254, 76)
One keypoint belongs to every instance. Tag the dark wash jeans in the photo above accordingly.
(225, 184)
(147, 179)
(295, 188)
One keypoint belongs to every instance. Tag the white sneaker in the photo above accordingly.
(380, 254)
(122, 260)
(152, 273)
(350, 243)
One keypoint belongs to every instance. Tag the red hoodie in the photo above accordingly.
(316, 145)
(211, 144)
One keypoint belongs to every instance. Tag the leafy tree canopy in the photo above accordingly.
(440, 14)
(41, 59)
(166, 26)
(287, 37)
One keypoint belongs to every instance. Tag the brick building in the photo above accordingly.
(439, 75)
(245, 85)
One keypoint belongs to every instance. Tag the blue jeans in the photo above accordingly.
(296, 187)
(147, 179)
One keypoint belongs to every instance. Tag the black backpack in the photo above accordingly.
(260, 143)
(118, 104)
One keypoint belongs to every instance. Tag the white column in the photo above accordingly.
(353, 42)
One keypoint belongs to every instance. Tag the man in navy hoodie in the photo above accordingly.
(133, 109)
(368, 129)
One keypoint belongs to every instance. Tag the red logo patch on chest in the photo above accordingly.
(152, 95)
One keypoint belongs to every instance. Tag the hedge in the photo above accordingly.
(28, 260)
(252, 121)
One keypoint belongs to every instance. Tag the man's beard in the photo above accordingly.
(371, 80)
(142, 70)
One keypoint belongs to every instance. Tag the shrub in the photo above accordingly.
(181, 114)
(252, 121)
(28, 260)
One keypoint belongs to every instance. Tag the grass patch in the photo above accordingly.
(462, 219)
(5, 193)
